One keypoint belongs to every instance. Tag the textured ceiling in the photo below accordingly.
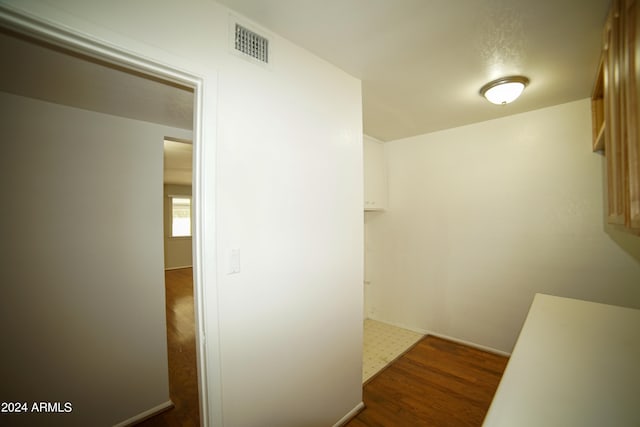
(422, 62)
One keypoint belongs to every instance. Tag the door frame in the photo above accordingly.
(203, 186)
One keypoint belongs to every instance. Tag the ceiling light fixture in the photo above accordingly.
(504, 90)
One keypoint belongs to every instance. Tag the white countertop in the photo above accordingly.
(576, 363)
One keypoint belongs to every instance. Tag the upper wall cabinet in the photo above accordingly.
(616, 114)
(375, 175)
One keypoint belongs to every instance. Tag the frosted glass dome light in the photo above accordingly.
(504, 90)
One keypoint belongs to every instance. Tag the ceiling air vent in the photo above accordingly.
(252, 44)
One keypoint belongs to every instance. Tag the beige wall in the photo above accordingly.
(177, 250)
(483, 216)
(82, 299)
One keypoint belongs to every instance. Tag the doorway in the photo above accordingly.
(178, 283)
(49, 41)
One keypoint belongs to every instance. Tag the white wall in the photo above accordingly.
(177, 250)
(82, 299)
(291, 200)
(288, 143)
(483, 216)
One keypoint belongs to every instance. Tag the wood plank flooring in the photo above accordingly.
(436, 383)
(183, 383)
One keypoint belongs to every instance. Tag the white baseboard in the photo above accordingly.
(350, 415)
(177, 268)
(146, 414)
(447, 337)
(471, 344)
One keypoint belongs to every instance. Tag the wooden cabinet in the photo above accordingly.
(375, 175)
(632, 153)
(597, 109)
(613, 113)
(616, 114)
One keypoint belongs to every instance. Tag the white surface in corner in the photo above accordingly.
(575, 364)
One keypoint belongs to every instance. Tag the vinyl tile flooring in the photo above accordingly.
(383, 343)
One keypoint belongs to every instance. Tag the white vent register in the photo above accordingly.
(251, 43)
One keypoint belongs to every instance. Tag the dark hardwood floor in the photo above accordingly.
(183, 383)
(436, 383)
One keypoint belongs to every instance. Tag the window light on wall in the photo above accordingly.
(180, 216)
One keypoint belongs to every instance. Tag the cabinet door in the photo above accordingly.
(632, 50)
(613, 117)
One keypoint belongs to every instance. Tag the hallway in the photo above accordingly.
(183, 383)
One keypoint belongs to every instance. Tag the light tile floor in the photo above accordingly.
(383, 344)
